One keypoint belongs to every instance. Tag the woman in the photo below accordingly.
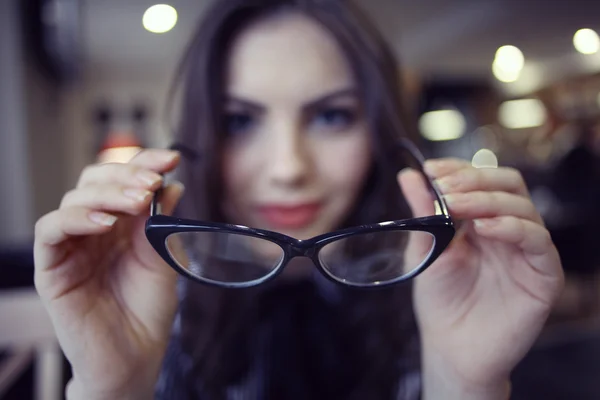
(292, 108)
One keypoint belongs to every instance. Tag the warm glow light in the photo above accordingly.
(508, 64)
(521, 114)
(160, 18)
(510, 58)
(442, 125)
(485, 158)
(118, 154)
(586, 41)
(503, 75)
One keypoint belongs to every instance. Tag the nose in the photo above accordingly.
(289, 158)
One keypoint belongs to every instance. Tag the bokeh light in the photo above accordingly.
(586, 41)
(160, 18)
(442, 125)
(522, 114)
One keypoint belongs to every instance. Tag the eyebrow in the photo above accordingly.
(312, 104)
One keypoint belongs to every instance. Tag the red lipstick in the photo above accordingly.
(289, 217)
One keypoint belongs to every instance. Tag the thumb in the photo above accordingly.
(416, 192)
(171, 196)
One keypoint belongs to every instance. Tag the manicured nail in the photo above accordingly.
(171, 155)
(404, 171)
(136, 194)
(485, 223)
(149, 178)
(452, 199)
(445, 184)
(101, 218)
(180, 187)
(432, 167)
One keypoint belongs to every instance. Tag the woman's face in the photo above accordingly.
(298, 149)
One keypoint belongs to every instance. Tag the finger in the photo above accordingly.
(533, 239)
(527, 235)
(171, 196)
(119, 174)
(112, 198)
(58, 225)
(479, 204)
(141, 170)
(485, 179)
(439, 167)
(52, 232)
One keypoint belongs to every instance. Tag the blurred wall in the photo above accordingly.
(48, 144)
(122, 89)
(16, 216)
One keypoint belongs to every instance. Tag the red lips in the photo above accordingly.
(289, 217)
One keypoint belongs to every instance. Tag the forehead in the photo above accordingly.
(286, 55)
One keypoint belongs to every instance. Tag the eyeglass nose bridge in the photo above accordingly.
(302, 249)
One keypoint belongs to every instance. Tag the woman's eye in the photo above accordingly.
(236, 123)
(334, 118)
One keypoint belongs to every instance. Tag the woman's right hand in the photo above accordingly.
(110, 296)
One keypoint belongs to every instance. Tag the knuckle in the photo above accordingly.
(88, 170)
(68, 197)
(520, 228)
(516, 176)
(547, 239)
(491, 200)
(472, 175)
(96, 172)
(40, 225)
(140, 155)
(516, 223)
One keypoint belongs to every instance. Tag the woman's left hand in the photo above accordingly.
(484, 301)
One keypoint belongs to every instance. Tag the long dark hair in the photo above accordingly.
(366, 346)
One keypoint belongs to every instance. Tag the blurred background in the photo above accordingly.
(509, 82)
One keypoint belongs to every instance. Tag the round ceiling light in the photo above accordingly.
(508, 63)
(586, 41)
(159, 18)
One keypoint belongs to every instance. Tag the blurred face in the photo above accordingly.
(298, 149)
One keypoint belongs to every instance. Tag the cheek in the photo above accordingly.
(345, 165)
(238, 172)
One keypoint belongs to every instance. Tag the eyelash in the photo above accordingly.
(332, 119)
(238, 122)
(342, 118)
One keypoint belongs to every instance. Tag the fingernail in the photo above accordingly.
(445, 184)
(101, 218)
(404, 171)
(452, 199)
(431, 167)
(485, 223)
(180, 187)
(149, 178)
(136, 194)
(172, 155)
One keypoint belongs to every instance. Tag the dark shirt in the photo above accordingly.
(296, 352)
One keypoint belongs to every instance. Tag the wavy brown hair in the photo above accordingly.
(363, 344)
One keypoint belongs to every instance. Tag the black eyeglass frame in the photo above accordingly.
(159, 227)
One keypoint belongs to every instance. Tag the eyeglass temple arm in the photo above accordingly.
(437, 194)
(186, 152)
(155, 208)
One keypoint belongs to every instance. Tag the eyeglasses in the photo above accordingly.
(234, 256)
